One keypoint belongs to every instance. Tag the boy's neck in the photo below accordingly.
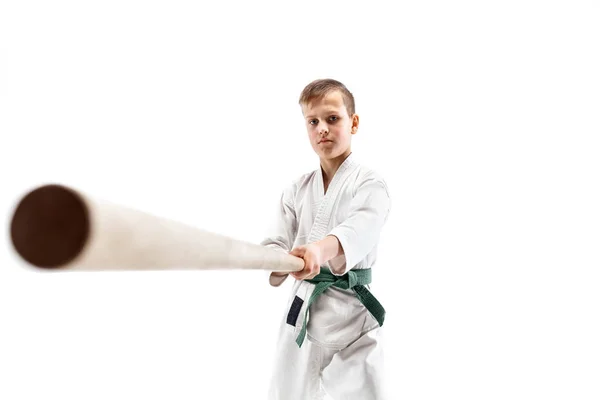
(330, 167)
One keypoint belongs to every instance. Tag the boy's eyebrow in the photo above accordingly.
(334, 111)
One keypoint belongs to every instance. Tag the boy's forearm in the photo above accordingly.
(330, 248)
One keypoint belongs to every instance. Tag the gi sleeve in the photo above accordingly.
(360, 231)
(282, 232)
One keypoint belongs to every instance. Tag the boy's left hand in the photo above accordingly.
(313, 258)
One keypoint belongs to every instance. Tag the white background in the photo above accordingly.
(484, 118)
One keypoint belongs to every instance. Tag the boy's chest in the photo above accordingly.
(328, 210)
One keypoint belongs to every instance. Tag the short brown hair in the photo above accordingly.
(319, 88)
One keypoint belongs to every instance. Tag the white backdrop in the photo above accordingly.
(483, 118)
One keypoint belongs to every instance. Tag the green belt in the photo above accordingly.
(354, 279)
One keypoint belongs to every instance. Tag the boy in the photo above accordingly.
(330, 337)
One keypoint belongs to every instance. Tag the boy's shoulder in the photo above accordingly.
(365, 174)
(368, 173)
(296, 184)
(300, 181)
(305, 178)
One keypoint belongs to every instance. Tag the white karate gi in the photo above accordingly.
(342, 352)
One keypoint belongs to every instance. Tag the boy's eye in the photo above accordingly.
(333, 118)
(313, 121)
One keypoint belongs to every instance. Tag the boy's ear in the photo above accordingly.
(355, 121)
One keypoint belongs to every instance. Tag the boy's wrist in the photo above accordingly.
(329, 248)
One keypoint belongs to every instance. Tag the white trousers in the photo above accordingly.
(354, 372)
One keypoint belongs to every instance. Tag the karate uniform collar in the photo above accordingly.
(348, 162)
(347, 165)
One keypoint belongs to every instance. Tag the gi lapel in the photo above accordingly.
(325, 203)
(320, 225)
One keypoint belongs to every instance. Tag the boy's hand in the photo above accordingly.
(313, 258)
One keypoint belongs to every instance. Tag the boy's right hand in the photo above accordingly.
(312, 256)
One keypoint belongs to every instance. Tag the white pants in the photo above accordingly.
(354, 372)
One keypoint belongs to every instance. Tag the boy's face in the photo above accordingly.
(329, 126)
